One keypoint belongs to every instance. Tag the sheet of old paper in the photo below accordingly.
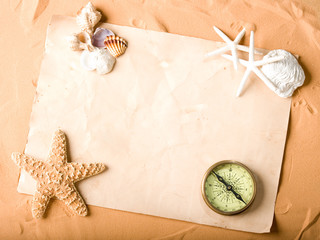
(158, 121)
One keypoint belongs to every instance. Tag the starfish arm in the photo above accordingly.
(246, 49)
(242, 48)
(244, 62)
(58, 149)
(29, 164)
(72, 198)
(239, 36)
(222, 35)
(39, 204)
(218, 51)
(243, 81)
(241, 61)
(79, 171)
(235, 58)
(226, 56)
(268, 60)
(264, 78)
(251, 47)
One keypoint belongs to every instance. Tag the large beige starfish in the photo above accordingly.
(56, 177)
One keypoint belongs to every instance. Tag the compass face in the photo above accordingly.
(228, 187)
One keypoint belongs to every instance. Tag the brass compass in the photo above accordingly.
(228, 187)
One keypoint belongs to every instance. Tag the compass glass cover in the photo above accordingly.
(235, 190)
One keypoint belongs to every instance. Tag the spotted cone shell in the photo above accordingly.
(115, 45)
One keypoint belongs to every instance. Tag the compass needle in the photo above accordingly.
(229, 187)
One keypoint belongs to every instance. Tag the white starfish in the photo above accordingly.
(252, 66)
(233, 46)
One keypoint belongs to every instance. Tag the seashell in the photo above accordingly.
(74, 43)
(88, 60)
(286, 75)
(105, 61)
(99, 59)
(88, 17)
(99, 36)
(115, 45)
(85, 41)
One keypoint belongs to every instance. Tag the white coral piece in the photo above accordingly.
(286, 75)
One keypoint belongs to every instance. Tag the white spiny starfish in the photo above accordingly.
(252, 66)
(233, 46)
(56, 177)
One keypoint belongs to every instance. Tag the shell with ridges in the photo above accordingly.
(115, 45)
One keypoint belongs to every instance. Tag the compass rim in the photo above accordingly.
(207, 173)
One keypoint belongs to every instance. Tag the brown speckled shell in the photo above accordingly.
(115, 45)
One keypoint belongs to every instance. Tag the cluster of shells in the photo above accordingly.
(100, 47)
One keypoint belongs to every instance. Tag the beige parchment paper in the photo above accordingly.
(158, 121)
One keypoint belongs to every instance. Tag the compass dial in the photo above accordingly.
(228, 187)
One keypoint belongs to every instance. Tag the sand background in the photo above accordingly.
(290, 25)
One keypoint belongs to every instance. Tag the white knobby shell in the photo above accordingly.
(105, 61)
(98, 59)
(88, 60)
(87, 18)
(286, 75)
